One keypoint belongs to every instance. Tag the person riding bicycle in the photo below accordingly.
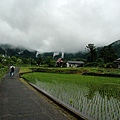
(12, 69)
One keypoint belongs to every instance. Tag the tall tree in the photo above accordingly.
(39, 60)
(92, 52)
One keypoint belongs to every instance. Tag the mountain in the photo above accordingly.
(18, 51)
(116, 46)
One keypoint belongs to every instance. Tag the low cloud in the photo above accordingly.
(59, 25)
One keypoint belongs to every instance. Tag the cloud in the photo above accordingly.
(59, 25)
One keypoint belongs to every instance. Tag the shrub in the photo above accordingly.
(91, 64)
(110, 65)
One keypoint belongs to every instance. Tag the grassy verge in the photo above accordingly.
(3, 71)
(81, 70)
(25, 70)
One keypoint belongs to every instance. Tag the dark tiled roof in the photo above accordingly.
(75, 62)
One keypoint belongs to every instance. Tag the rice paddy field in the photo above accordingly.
(93, 96)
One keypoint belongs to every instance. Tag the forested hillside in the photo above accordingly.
(116, 46)
(10, 50)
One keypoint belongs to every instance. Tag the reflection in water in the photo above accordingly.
(100, 102)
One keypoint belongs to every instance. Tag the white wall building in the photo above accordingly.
(75, 63)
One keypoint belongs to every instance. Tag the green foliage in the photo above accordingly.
(50, 62)
(26, 61)
(1, 58)
(61, 70)
(25, 70)
(108, 54)
(116, 46)
(110, 65)
(14, 59)
(81, 70)
(39, 60)
(3, 70)
(1, 66)
(92, 53)
(91, 64)
(24, 57)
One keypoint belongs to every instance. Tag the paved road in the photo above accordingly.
(20, 102)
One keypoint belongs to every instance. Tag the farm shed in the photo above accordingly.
(60, 62)
(75, 63)
(118, 62)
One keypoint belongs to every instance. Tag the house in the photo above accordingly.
(118, 62)
(60, 62)
(75, 63)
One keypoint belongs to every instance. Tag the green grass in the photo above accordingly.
(73, 70)
(80, 70)
(3, 71)
(25, 69)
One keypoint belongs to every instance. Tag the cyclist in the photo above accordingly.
(12, 69)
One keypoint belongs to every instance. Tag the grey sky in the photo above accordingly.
(59, 25)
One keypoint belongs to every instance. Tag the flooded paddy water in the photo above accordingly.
(103, 104)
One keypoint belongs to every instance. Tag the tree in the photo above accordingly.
(25, 61)
(50, 62)
(19, 61)
(108, 54)
(39, 60)
(1, 58)
(13, 58)
(92, 53)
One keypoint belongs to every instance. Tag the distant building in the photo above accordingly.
(75, 63)
(118, 62)
(60, 62)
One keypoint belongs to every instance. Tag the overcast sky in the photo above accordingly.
(59, 25)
